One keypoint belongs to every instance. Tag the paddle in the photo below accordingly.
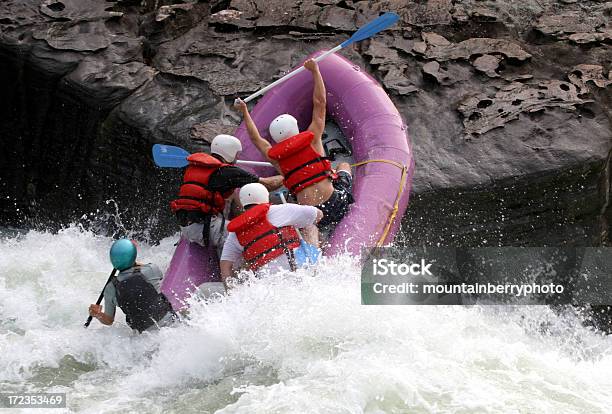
(169, 156)
(377, 25)
(307, 253)
(101, 295)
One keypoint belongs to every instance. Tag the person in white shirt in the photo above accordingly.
(264, 236)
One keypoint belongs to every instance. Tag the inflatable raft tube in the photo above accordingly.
(383, 165)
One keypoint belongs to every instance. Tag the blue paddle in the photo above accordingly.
(306, 254)
(169, 156)
(377, 25)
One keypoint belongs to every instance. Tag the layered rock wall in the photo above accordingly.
(507, 103)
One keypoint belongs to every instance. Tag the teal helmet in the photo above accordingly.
(123, 254)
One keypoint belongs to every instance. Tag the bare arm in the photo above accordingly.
(272, 183)
(319, 105)
(96, 312)
(227, 271)
(261, 144)
(319, 216)
(311, 233)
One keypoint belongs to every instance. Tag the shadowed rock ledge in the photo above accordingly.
(508, 105)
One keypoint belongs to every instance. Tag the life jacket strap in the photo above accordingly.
(206, 230)
(291, 259)
(321, 174)
(261, 236)
(296, 169)
(282, 245)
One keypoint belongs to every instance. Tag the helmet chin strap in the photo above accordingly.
(222, 158)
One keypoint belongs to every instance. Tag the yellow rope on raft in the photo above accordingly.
(400, 191)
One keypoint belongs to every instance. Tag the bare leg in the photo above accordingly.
(311, 235)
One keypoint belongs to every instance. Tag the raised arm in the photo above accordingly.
(319, 105)
(261, 144)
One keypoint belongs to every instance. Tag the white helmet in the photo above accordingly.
(254, 193)
(283, 127)
(226, 146)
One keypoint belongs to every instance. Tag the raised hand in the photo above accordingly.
(240, 105)
(311, 65)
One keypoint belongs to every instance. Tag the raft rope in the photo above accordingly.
(400, 191)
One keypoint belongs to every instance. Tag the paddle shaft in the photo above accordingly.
(290, 75)
(255, 163)
(89, 319)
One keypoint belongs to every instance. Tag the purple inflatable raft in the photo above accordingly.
(365, 129)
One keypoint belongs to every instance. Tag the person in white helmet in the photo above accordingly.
(300, 157)
(265, 235)
(205, 196)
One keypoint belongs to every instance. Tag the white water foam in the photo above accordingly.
(287, 343)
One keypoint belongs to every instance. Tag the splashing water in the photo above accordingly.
(287, 343)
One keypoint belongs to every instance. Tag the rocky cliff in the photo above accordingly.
(508, 105)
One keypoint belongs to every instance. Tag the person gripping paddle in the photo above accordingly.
(301, 159)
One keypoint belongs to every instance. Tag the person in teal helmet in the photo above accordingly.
(136, 290)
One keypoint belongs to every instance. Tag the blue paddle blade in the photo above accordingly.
(306, 254)
(377, 25)
(168, 156)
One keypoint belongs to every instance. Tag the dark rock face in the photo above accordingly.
(508, 105)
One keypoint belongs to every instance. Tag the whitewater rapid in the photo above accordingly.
(288, 343)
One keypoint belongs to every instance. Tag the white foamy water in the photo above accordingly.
(283, 344)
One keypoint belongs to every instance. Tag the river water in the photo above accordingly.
(293, 343)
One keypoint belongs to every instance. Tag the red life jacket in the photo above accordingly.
(262, 241)
(193, 194)
(300, 164)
